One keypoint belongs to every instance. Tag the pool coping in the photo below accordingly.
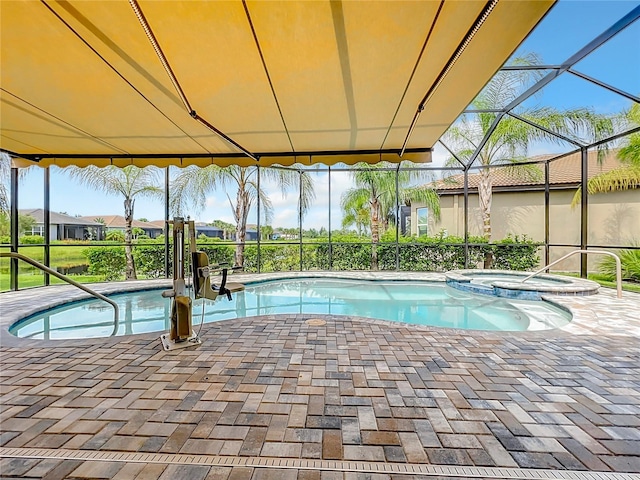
(587, 311)
(461, 279)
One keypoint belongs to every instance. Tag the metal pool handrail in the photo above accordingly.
(62, 277)
(601, 252)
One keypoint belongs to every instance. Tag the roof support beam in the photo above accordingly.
(611, 88)
(605, 36)
(484, 14)
(174, 80)
(544, 129)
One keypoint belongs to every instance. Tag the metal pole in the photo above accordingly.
(330, 246)
(300, 215)
(258, 209)
(47, 223)
(13, 275)
(584, 217)
(166, 222)
(546, 212)
(397, 218)
(466, 217)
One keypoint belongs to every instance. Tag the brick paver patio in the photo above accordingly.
(353, 389)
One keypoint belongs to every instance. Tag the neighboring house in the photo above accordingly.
(251, 235)
(518, 206)
(208, 231)
(117, 222)
(62, 226)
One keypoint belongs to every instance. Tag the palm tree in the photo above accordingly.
(5, 170)
(5, 175)
(510, 140)
(356, 212)
(193, 183)
(628, 175)
(375, 187)
(226, 228)
(130, 182)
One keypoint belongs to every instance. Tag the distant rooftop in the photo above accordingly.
(57, 218)
(564, 172)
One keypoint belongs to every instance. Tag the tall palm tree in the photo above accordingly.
(509, 142)
(226, 228)
(5, 171)
(130, 182)
(355, 211)
(375, 186)
(193, 184)
(628, 175)
(5, 175)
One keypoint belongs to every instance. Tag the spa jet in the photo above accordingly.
(181, 331)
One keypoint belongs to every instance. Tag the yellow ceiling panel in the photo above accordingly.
(114, 32)
(495, 41)
(81, 79)
(298, 42)
(211, 49)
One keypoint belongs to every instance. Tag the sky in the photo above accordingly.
(565, 30)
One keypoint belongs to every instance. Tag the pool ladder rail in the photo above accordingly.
(50, 271)
(600, 252)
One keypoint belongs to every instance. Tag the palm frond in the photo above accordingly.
(620, 179)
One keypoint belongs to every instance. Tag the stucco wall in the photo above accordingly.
(614, 219)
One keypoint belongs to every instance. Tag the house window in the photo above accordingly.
(423, 221)
(37, 230)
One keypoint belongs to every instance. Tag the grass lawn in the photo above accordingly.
(27, 280)
(606, 282)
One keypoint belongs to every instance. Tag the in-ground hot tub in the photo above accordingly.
(509, 284)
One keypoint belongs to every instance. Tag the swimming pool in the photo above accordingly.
(422, 303)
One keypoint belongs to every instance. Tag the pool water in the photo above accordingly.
(421, 303)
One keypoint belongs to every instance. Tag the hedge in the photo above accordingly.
(346, 252)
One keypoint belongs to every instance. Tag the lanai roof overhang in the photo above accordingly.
(245, 82)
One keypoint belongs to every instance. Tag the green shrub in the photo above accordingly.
(219, 253)
(149, 259)
(31, 239)
(630, 265)
(515, 253)
(109, 262)
(115, 236)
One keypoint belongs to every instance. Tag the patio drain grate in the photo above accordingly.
(308, 464)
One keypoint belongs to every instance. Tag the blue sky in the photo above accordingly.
(566, 29)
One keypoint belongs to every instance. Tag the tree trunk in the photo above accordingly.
(130, 271)
(484, 198)
(375, 233)
(241, 213)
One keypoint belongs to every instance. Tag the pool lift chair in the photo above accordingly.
(181, 331)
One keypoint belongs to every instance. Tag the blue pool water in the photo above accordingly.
(420, 303)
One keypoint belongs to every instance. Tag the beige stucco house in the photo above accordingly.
(518, 207)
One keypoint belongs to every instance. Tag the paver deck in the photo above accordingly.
(352, 391)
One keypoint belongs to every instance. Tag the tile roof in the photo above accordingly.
(565, 172)
(118, 221)
(57, 218)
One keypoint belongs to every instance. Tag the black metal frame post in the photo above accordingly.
(330, 246)
(547, 197)
(584, 213)
(166, 224)
(258, 204)
(300, 172)
(13, 275)
(47, 223)
(466, 217)
(397, 218)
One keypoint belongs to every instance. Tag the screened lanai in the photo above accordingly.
(292, 109)
(165, 93)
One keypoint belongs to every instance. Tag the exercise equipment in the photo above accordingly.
(181, 331)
